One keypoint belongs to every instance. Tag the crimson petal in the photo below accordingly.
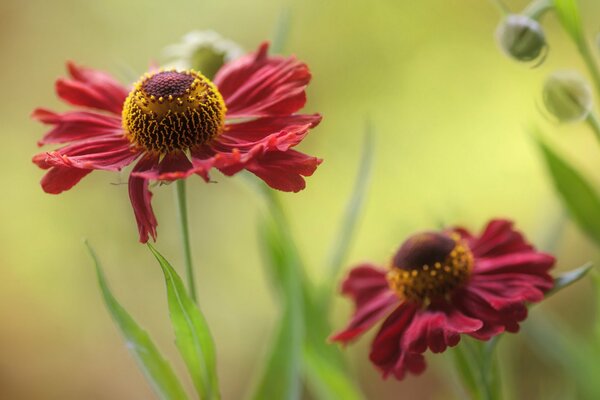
(60, 179)
(262, 85)
(75, 125)
(91, 88)
(141, 197)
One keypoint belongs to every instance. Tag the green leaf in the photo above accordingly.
(155, 368)
(324, 367)
(579, 197)
(354, 207)
(569, 278)
(557, 345)
(281, 375)
(570, 18)
(465, 366)
(193, 338)
(282, 31)
(596, 288)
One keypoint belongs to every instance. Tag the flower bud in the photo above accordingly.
(521, 38)
(203, 51)
(567, 96)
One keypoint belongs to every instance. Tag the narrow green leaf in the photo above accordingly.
(193, 338)
(569, 278)
(355, 204)
(324, 367)
(155, 368)
(578, 195)
(465, 366)
(282, 30)
(557, 345)
(280, 378)
(570, 18)
(596, 289)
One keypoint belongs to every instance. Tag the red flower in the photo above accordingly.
(442, 284)
(176, 124)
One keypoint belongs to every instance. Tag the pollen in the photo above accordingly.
(169, 110)
(430, 266)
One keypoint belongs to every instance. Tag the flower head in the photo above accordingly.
(567, 96)
(521, 38)
(202, 50)
(173, 124)
(443, 284)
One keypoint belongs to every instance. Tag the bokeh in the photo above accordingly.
(450, 114)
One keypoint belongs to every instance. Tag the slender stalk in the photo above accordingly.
(590, 62)
(501, 6)
(181, 201)
(592, 121)
(536, 9)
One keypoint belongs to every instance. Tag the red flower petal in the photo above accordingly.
(91, 88)
(75, 125)
(250, 133)
(110, 153)
(386, 351)
(437, 328)
(499, 238)
(172, 167)
(284, 170)
(259, 85)
(141, 197)
(367, 285)
(477, 305)
(59, 179)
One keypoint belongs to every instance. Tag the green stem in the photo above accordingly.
(592, 121)
(536, 9)
(501, 6)
(590, 62)
(180, 197)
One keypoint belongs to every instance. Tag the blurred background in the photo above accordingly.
(450, 113)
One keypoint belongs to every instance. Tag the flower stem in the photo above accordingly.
(501, 6)
(536, 9)
(590, 62)
(592, 121)
(180, 197)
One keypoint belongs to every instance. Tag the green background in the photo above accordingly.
(450, 113)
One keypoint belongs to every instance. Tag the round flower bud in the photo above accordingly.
(204, 51)
(567, 96)
(521, 38)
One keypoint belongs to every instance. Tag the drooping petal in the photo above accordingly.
(60, 179)
(367, 286)
(262, 85)
(477, 305)
(387, 353)
(436, 328)
(284, 171)
(246, 146)
(75, 125)
(91, 88)
(110, 153)
(173, 166)
(141, 197)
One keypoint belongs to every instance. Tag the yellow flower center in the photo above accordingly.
(170, 110)
(430, 266)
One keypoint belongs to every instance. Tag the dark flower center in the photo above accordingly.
(170, 110)
(430, 266)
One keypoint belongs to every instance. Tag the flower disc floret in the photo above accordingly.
(430, 266)
(170, 110)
